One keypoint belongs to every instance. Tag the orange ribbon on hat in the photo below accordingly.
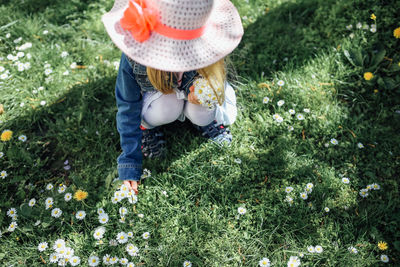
(140, 23)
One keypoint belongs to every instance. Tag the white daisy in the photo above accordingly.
(93, 261)
(62, 188)
(326, 209)
(100, 211)
(48, 71)
(310, 185)
(264, 262)
(53, 257)
(242, 210)
(130, 264)
(32, 202)
(4, 76)
(146, 235)
(384, 258)
(360, 145)
(42, 246)
(294, 261)
(12, 226)
(132, 198)
(304, 195)
(123, 261)
(80, 215)
(187, 264)
(308, 190)
(69, 252)
(56, 212)
(113, 260)
(359, 25)
(2, 68)
(289, 200)
(140, 215)
(3, 174)
(42, 103)
(11, 212)
(103, 218)
(280, 103)
(49, 202)
(266, 100)
(281, 83)
(345, 180)
(99, 232)
(311, 249)
(292, 111)
(59, 244)
(373, 29)
(300, 117)
(45, 32)
(75, 260)
(290, 128)
(306, 110)
(49, 186)
(334, 141)
(1, 154)
(375, 186)
(67, 197)
(288, 189)
(349, 27)
(122, 237)
(123, 211)
(319, 249)
(64, 54)
(130, 234)
(73, 65)
(364, 193)
(353, 250)
(132, 250)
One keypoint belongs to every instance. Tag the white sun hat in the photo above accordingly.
(174, 35)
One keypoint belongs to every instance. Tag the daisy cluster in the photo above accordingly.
(62, 254)
(207, 96)
(303, 195)
(364, 192)
(361, 26)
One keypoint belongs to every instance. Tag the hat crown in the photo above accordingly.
(184, 14)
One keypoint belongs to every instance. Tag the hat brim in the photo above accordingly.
(221, 36)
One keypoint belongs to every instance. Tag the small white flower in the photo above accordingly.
(326, 210)
(11, 212)
(103, 218)
(59, 244)
(123, 261)
(132, 198)
(66, 73)
(288, 189)
(28, 56)
(49, 202)
(100, 211)
(3, 174)
(130, 264)
(237, 160)
(140, 215)
(22, 138)
(384, 258)
(349, 27)
(310, 185)
(281, 103)
(334, 141)
(48, 71)
(2, 68)
(311, 249)
(373, 29)
(64, 54)
(281, 83)
(351, 35)
(4, 76)
(45, 32)
(62, 188)
(132, 250)
(1, 154)
(289, 200)
(292, 111)
(67, 197)
(345, 180)
(32, 202)
(53, 257)
(8, 35)
(122, 237)
(304, 195)
(42, 103)
(266, 100)
(99, 232)
(375, 186)
(56, 212)
(290, 128)
(75, 260)
(306, 110)
(242, 210)
(49, 186)
(73, 65)
(80, 215)
(364, 193)
(12, 226)
(360, 145)
(146, 235)
(264, 262)
(93, 261)
(294, 261)
(42, 246)
(353, 250)
(359, 25)
(300, 117)
(187, 264)
(308, 190)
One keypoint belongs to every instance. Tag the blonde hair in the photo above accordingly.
(215, 74)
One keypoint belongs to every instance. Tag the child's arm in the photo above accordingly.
(129, 103)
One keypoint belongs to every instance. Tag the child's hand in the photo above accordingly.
(132, 185)
(192, 98)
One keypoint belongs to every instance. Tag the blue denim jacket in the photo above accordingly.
(132, 82)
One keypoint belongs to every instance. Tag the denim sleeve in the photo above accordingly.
(129, 102)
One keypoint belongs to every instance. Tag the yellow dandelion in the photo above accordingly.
(80, 195)
(6, 135)
(396, 33)
(373, 16)
(368, 76)
(382, 245)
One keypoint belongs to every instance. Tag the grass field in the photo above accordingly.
(313, 171)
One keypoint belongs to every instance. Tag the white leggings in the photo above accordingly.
(168, 108)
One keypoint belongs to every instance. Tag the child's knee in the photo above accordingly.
(199, 115)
